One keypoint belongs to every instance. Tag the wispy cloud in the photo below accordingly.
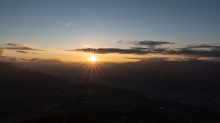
(20, 51)
(155, 58)
(51, 60)
(21, 47)
(120, 41)
(193, 53)
(70, 24)
(203, 46)
(140, 48)
(150, 44)
(8, 59)
(13, 44)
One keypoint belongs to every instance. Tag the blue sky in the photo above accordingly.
(100, 23)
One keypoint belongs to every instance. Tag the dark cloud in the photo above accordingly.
(20, 51)
(150, 44)
(135, 58)
(132, 50)
(20, 47)
(40, 60)
(164, 51)
(196, 53)
(23, 48)
(112, 50)
(187, 59)
(8, 58)
(155, 58)
(203, 46)
(140, 48)
(158, 50)
(13, 44)
(35, 59)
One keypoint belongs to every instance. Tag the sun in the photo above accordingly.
(92, 59)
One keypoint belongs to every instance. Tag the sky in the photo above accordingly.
(111, 30)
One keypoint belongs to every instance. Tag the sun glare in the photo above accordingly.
(92, 59)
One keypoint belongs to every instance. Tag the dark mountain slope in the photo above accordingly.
(14, 79)
(23, 90)
(30, 96)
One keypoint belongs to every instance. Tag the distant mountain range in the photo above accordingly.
(30, 96)
(191, 82)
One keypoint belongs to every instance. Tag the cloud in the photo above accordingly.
(40, 60)
(132, 50)
(187, 59)
(150, 44)
(20, 51)
(70, 24)
(111, 50)
(2, 50)
(120, 41)
(203, 46)
(195, 53)
(13, 44)
(140, 48)
(23, 48)
(161, 51)
(8, 59)
(20, 47)
(155, 58)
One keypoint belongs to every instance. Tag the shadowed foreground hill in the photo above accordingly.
(20, 87)
(28, 96)
(14, 79)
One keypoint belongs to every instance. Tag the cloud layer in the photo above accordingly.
(20, 51)
(196, 53)
(111, 50)
(21, 48)
(150, 44)
(201, 50)
(203, 46)
(8, 58)
(53, 60)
